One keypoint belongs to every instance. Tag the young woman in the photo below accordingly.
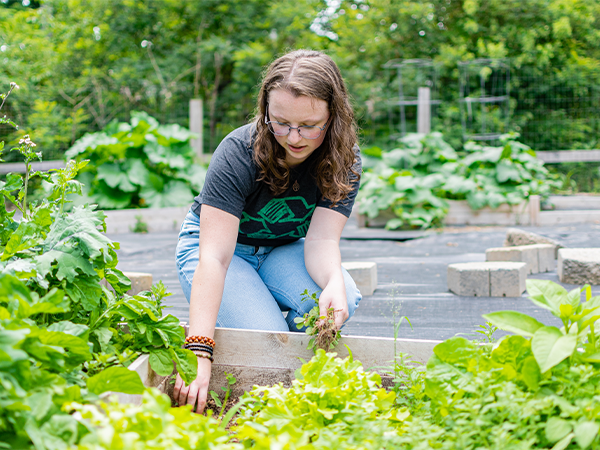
(268, 221)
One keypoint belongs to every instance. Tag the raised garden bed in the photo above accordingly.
(266, 358)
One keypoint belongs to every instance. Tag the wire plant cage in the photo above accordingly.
(484, 98)
(408, 75)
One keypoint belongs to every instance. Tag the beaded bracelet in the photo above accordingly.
(204, 348)
(200, 340)
(204, 355)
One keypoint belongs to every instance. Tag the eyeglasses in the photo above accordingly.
(306, 131)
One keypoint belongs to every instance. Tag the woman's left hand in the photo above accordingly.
(334, 296)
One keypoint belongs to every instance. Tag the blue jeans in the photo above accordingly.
(261, 282)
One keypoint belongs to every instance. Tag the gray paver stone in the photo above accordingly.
(546, 257)
(364, 275)
(140, 281)
(507, 279)
(522, 253)
(579, 265)
(469, 279)
(516, 237)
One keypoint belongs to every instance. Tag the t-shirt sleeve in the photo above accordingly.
(345, 206)
(230, 177)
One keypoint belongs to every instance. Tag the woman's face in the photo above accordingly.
(294, 111)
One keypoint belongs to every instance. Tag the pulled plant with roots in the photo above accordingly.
(325, 334)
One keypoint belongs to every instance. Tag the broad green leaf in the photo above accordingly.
(173, 193)
(564, 442)
(116, 379)
(546, 294)
(595, 358)
(161, 361)
(585, 433)
(550, 347)
(455, 350)
(557, 429)
(186, 364)
(115, 176)
(514, 321)
(530, 373)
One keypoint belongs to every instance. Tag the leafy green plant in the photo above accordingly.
(153, 424)
(139, 164)
(322, 329)
(140, 225)
(577, 340)
(331, 401)
(231, 380)
(415, 180)
(64, 335)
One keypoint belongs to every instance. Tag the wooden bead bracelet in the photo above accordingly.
(200, 340)
(204, 355)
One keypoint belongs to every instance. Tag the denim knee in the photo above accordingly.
(353, 295)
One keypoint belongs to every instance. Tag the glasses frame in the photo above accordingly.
(290, 128)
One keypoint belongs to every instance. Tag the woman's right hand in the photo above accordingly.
(195, 394)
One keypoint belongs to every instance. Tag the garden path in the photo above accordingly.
(411, 275)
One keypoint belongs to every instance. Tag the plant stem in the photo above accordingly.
(27, 169)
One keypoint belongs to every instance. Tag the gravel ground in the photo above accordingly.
(411, 275)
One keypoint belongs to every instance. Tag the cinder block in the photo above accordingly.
(579, 265)
(139, 282)
(546, 258)
(516, 237)
(522, 253)
(469, 279)
(364, 275)
(507, 279)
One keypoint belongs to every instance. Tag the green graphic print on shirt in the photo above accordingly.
(280, 218)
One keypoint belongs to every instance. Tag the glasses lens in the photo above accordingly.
(309, 132)
(279, 129)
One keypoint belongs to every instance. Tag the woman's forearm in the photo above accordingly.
(205, 299)
(323, 261)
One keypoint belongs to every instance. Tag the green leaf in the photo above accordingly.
(515, 322)
(557, 429)
(455, 350)
(186, 364)
(116, 177)
(116, 379)
(585, 433)
(173, 193)
(161, 361)
(550, 347)
(547, 294)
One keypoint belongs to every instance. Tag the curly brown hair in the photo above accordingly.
(312, 74)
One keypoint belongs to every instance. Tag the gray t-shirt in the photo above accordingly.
(265, 220)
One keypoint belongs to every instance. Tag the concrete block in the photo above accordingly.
(364, 275)
(516, 237)
(507, 279)
(522, 253)
(139, 282)
(469, 279)
(546, 259)
(579, 265)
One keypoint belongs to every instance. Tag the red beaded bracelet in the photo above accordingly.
(200, 340)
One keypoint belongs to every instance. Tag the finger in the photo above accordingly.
(192, 396)
(201, 400)
(178, 383)
(183, 395)
(340, 317)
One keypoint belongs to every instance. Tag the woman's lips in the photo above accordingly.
(296, 149)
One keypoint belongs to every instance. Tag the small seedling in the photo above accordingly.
(324, 332)
(231, 380)
(140, 225)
